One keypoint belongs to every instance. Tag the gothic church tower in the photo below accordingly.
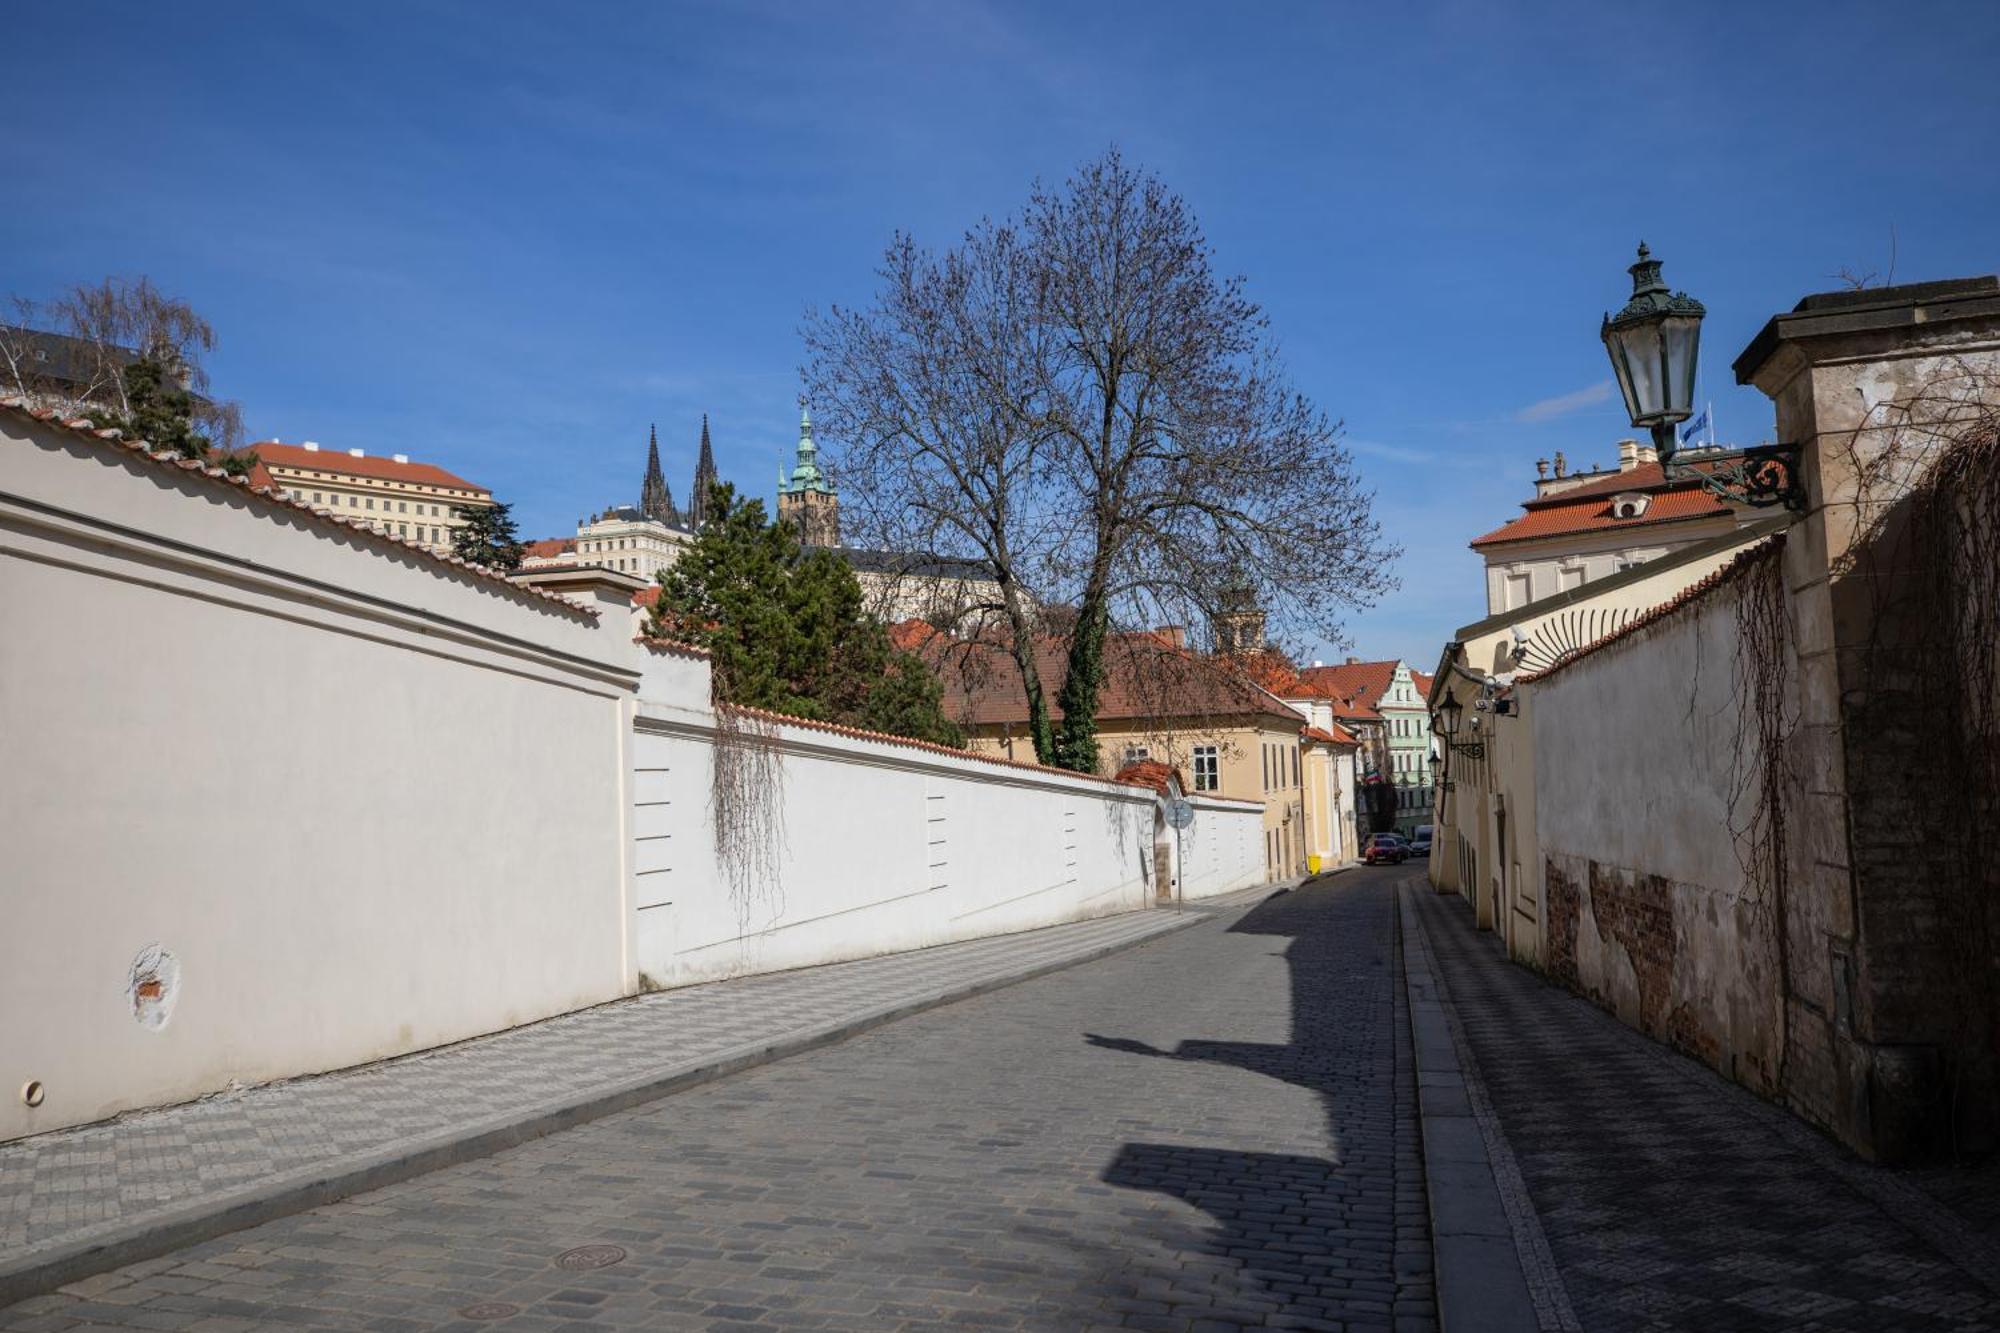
(656, 498)
(704, 477)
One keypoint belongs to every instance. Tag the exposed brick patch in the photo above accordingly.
(1565, 903)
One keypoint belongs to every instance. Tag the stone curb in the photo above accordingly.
(39, 1269)
(1481, 1285)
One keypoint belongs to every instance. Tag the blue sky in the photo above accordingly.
(506, 237)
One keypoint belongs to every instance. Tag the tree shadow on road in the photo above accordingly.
(1312, 1236)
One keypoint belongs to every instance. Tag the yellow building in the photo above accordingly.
(1160, 701)
(414, 501)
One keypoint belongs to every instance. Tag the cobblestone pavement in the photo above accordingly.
(1672, 1199)
(80, 1184)
(1213, 1130)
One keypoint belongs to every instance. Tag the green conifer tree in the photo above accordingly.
(786, 629)
(487, 536)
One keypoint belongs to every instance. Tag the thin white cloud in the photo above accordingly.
(1395, 452)
(1563, 404)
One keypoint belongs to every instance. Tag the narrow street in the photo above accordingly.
(1214, 1129)
(1211, 1130)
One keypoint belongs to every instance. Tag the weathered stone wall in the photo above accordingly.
(1644, 782)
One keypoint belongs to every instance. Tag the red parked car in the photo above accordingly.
(1385, 849)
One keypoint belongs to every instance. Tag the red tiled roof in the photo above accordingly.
(912, 635)
(1150, 773)
(279, 497)
(548, 548)
(1694, 592)
(1335, 735)
(1564, 515)
(1145, 678)
(671, 646)
(648, 596)
(379, 469)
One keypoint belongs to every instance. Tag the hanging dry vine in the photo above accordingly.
(1761, 772)
(747, 809)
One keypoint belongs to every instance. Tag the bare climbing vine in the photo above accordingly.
(1762, 777)
(747, 808)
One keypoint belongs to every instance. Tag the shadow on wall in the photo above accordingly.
(1313, 1233)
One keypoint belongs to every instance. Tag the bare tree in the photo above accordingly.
(1078, 394)
(78, 351)
(932, 390)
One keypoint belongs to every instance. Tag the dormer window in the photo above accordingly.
(1629, 504)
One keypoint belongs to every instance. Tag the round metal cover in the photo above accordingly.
(590, 1256)
(489, 1310)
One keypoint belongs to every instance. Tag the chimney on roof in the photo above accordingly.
(400, 458)
(356, 453)
(1542, 469)
(1648, 454)
(1354, 661)
(1318, 663)
(310, 445)
(1628, 455)
(1175, 635)
(1562, 464)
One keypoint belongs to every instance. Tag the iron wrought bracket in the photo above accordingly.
(1470, 749)
(1760, 476)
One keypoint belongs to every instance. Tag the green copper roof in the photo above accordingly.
(806, 475)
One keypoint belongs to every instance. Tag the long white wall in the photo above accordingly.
(883, 846)
(278, 797)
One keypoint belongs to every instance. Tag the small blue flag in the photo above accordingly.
(1695, 427)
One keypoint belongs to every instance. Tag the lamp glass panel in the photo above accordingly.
(1682, 343)
(1615, 348)
(1643, 362)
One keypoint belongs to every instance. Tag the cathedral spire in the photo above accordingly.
(704, 478)
(656, 498)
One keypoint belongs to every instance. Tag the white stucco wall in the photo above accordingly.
(887, 846)
(278, 797)
(367, 803)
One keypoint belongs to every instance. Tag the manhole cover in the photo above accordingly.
(590, 1256)
(489, 1310)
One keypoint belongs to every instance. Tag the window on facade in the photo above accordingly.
(1207, 768)
(1295, 768)
(402, 506)
(371, 502)
(1134, 753)
(402, 529)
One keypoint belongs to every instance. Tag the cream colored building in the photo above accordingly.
(1582, 527)
(624, 539)
(1485, 844)
(1228, 736)
(393, 495)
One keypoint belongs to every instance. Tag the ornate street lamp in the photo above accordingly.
(1654, 344)
(1451, 713)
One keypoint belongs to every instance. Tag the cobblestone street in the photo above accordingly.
(1671, 1199)
(1212, 1130)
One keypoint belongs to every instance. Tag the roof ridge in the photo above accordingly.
(863, 734)
(277, 495)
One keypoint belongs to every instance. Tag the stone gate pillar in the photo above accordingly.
(1860, 380)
